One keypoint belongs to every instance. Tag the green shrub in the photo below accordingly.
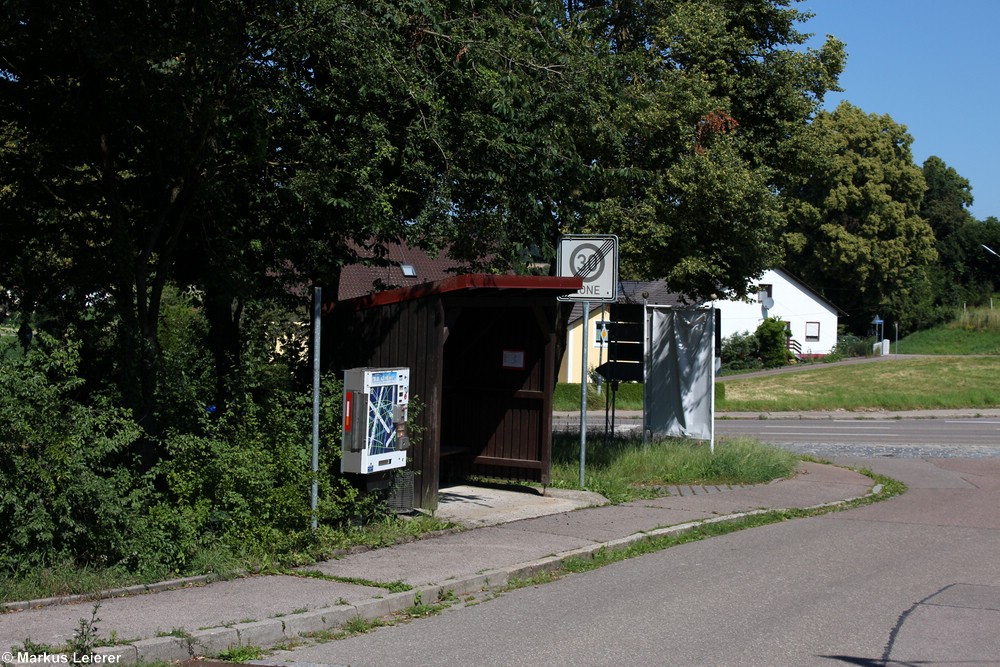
(772, 342)
(66, 491)
(246, 479)
(849, 345)
(186, 385)
(230, 479)
(567, 396)
(741, 351)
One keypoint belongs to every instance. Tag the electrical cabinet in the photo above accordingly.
(376, 403)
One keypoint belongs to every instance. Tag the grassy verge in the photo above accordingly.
(623, 468)
(972, 331)
(950, 340)
(898, 384)
(567, 397)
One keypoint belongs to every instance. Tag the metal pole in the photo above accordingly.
(711, 342)
(646, 357)
(583, 391)
(600, 353)
(317, 316)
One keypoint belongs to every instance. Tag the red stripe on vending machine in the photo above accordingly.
(348, 405)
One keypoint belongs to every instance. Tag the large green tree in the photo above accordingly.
(240, 148)
(853, 202)
(711, 94)
(955, 277)
(946, 203)
(135, 111)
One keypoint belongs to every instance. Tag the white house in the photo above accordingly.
(810, 319)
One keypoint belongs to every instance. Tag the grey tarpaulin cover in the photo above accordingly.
(680, 372)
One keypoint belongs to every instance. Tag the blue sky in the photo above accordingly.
(933, 66)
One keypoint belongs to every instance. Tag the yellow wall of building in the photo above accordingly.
(572, 360)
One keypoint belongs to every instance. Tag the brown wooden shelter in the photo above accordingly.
(481, 350)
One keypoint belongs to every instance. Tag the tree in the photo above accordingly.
(945, 207)
(772, 342)
(945, 204)
(710, 96)
(134, 109)
(853, 199)
(243, 148)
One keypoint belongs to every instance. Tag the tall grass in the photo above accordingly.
(976, 319)
(623, 468)
(971, 331)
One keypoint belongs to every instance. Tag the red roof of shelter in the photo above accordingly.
(473, 283)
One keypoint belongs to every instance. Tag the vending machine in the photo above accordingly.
(375, 413)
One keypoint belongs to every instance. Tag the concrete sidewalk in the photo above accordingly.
(513, 534)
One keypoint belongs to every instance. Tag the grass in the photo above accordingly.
(242, 654)
(972, 331)
(391, 586)
(66, 579)
(947, 340)
(623, 468)
(567, 397)
(359, 626)
(897, 384)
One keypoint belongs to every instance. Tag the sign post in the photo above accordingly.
(317, 320)
(594, 258)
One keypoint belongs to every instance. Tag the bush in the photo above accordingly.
(246, 480)
(229, 480)
(66, 490)
(849, 345)
(772, 341)
(741, 352)
(767, 347)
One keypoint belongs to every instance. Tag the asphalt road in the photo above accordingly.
(911, 581)
(860, 435)
(906, 438)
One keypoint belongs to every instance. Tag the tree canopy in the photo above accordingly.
(711, 97)
(853, 203)
(243, 149)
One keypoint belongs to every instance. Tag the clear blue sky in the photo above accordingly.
(933, 66)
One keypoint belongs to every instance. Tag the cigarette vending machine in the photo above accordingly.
(375, 413)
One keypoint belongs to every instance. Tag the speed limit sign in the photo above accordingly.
(595, 259)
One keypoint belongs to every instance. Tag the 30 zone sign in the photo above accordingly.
(593, 258)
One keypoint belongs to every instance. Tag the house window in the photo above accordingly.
(812, 332)
(765, 289)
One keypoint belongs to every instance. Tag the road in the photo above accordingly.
(911, 581)
(914, 580)
(907, 438)
(903, 436)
